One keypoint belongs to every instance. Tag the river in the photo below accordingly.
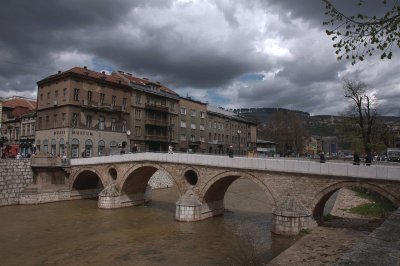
(79, 233)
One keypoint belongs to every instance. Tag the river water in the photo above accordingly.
(79, 233)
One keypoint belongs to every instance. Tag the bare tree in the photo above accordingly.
(361, 109)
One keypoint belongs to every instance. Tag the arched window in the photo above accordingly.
(101, 147)
(38, 145)
(45, 145)
(61, 148)
(53, 147)
(88, 148)
(75, 148)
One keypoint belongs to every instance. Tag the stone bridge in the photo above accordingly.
(297, 190)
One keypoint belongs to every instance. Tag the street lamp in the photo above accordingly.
(239, 132)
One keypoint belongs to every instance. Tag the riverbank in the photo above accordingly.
(326, 244)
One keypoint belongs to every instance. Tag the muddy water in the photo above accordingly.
(78, 233)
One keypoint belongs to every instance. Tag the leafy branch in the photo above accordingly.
(358, 36)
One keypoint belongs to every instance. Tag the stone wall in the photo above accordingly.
(160, 180)
(15, 175)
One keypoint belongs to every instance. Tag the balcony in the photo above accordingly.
(156, 138)
(156, 122)
(156, 107)
(102, 106)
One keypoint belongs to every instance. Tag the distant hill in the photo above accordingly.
(321, 125)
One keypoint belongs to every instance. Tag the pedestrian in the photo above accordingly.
(368, 159)
(322, 158)
(356, 158)
(230, 151)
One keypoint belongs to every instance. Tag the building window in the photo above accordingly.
(192, 112)
(88, 148)
(61, 149)
(56, 95)
(32, 129)
(76, 94)
(124, 100)
(183, 137)
(138, 114)
(202, 139)
(64, 94)
(47, 121)
(113, 100)
(41, 97)
(88, 121)
(113, 124)
(89, 97)
(209, 124)
(53, 147)
(215, 125)
(101, 123)
(138, 98)
(163, 102)
(75, 119)
(193, 126)
(202, 115)
(55, 124)
(101, 147)
(48, 97)
(201, 127)
(138, 131)
(183, 124)
(45, 145)
(75, 148)
(172, 107)
(192, 138)
(63, 119)
(183, 111)
(102, 96)
(124, 126)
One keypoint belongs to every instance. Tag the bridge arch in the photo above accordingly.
(322, 197)
(217, 186)
(88, 180)
(136, 178)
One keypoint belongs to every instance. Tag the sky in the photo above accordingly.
(233, 54)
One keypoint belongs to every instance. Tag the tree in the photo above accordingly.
(288, 130)
(357, 36)
(361, 110)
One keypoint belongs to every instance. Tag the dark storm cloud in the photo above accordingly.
(192, 46)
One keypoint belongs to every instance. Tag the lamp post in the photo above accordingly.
(239, 132)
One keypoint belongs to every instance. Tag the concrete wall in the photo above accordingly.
(15, 175)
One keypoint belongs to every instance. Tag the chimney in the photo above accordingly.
(85, 67)
(103, 72)
(59, 71)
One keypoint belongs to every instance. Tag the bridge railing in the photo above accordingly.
(386, 172)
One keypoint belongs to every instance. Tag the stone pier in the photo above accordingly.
(290, 217)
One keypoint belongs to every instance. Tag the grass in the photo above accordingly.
(379, 207)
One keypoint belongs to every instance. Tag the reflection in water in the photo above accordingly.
(79, 233)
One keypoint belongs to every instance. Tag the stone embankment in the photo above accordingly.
(15, 175)
(347, 240)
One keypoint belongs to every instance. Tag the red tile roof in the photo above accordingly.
(15, 102)
(118, 78)
(142, 81)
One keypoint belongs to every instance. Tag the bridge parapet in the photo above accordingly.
(384, 172)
